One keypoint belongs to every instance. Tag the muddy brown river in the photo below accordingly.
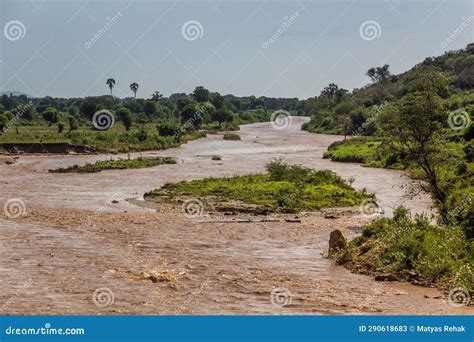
(84, 246)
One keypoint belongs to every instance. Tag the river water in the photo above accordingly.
(81, 232)
(260, 144)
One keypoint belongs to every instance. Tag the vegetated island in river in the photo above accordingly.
(116, 164)
(283, 189)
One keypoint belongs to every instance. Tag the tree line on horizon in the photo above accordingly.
(173, 111)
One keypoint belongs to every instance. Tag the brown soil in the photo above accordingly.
(58, 148)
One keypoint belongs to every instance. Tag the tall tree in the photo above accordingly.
(149, 107)
(330, 91)
(50, 115)
(414, 130)
(73, 124)
(201, 94)
(379, 74)
(125, 116)
(134, 88)
(111, 83)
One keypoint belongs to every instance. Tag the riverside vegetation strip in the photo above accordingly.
(111, 124)
(413, 249)
(284, 188)
(419, 121)
(117, 164)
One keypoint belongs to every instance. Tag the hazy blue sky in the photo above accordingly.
(145, 44)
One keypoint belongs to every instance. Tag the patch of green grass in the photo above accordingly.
(117, 164)
(285, 188)
(357, 150)
(115, 139)
(414, 249)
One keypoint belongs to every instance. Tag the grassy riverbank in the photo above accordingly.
(284, 188)
(115, 140)
(361, 150)
(412, 249)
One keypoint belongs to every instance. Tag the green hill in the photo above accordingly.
(337, 111)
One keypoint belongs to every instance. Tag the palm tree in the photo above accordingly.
(111, 83)
(134, 88)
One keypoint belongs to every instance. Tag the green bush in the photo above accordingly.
(409, 245)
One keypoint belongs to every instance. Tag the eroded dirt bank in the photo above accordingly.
(79, 234)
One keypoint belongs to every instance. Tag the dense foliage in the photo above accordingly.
(137, 123)
(284, 188)
(420, 121)
(339, 111)
(412, 248)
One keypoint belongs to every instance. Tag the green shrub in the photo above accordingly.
(413, 245)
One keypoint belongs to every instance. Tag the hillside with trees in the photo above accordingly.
(420, 121)
(338, 111)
